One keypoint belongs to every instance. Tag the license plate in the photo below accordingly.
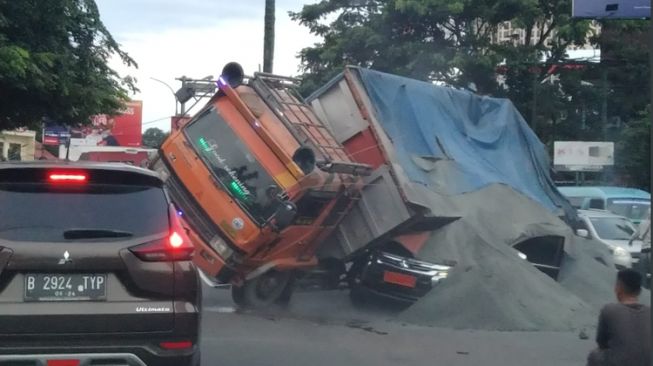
(399, 279)
(65, 287)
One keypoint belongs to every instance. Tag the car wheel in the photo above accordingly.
(334, 269)
(358, 296)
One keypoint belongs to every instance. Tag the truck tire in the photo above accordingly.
(286, 295)
(238, 295)
(357, 294)
(267, 289)
(335, 269)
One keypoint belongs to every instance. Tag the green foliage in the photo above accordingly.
(444, 40)
(451, 41)
(633, 152)
(53, 63)
(153, 137)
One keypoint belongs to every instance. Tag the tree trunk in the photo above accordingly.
(268, 38)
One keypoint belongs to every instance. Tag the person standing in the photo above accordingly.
(624, 331)
(643, 233)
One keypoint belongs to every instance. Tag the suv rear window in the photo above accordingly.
(41, 212)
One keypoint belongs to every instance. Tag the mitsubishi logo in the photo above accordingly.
(66, 258)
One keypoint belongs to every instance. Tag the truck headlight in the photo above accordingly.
(221, 247)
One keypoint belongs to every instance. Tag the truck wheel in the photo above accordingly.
(356, 293)
(335, 269)
(286, 295)
(238, 295)
(263, 290)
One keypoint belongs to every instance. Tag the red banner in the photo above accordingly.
(121, 130)
(51, 140)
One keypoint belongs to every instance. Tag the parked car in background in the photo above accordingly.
(628, 202)
(614, 231)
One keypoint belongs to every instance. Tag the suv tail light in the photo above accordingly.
(175, 247)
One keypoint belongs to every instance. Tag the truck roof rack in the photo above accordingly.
(280, 94)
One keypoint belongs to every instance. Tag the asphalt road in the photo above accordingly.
(322, 328)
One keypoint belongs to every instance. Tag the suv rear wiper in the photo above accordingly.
(95, 233)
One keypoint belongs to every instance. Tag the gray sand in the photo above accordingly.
(491, 287)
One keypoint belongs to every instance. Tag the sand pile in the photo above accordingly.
(492, 287)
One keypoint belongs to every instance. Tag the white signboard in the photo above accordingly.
(582, 155)
(615, 9)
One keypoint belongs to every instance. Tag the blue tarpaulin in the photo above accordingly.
(487, 138)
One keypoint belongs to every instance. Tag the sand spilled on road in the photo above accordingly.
(491, 287)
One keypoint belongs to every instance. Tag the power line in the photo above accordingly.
(155, 121)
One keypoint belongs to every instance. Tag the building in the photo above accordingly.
(508, 33)
(17, 145)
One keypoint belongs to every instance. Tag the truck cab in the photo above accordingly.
(259, 181)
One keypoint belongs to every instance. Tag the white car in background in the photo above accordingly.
(614, 231)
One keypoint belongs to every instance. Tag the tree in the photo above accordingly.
(153, 137)
(633, 152)
(268, 38)
(53, 63)
(453, 41)
(443, 40)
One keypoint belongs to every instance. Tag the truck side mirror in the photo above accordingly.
(285, 215)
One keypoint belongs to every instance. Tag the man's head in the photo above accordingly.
(629, 285)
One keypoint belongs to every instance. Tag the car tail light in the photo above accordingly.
(176, 345)
(63, 362)
(176, 241)
(67, 177)
(176, 247)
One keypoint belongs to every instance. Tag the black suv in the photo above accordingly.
(95, 268)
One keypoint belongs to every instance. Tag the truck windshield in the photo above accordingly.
(234, 166)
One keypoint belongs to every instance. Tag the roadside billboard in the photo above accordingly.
(55, 135)
(582, 155)
(123, 129)
(120, 130)
(612, 9)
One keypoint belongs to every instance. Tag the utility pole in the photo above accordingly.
(268, 37)
(650, 58)
(534, 103)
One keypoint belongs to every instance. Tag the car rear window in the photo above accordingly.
(41, 212)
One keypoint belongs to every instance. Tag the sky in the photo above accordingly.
(196, 38)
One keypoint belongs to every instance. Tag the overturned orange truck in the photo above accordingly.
(272, 200)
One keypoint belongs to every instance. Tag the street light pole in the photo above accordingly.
(171, 90)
